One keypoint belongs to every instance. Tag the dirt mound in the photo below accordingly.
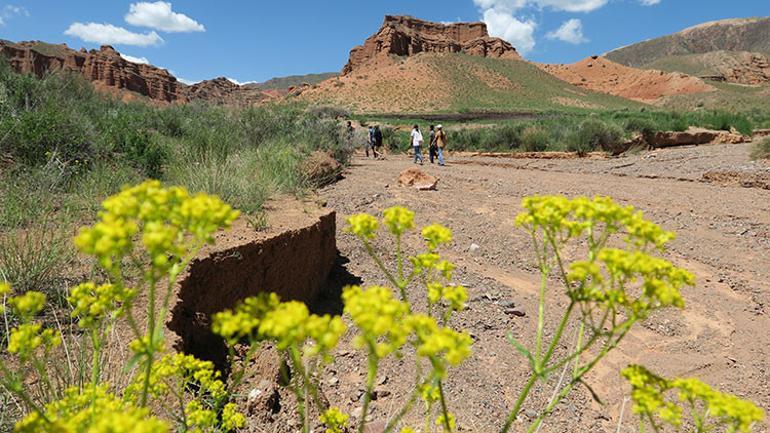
(292, 258)
(418, 179)
(406, 36)
(694, 136)
(321, 169)
(602, 75)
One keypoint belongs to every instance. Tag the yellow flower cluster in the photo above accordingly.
(436, 235)
(288, 323)
(5, 289)
(739, 415)
(183, 368)
(441, 421)
(231, 418)
(573, 217)
(93, 304)
(379, 317)
(428, 262)
(75, 414)
(165, 214)
(648, 394)
(243, 322)
(398, 219)
(28, 305)
(28, 337)
(334, 420)
(363, 225)
(606, 281)
(198, 418)
(456, 296)
(442, 345)
(292, 324)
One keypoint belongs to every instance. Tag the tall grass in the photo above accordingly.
(64, 148)
(761, 149)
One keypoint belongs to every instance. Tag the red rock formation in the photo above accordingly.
(104, 67)
(223, 91)
(407, 36)
(602, 75)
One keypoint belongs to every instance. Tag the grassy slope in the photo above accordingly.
(458, 83)
(512, 85)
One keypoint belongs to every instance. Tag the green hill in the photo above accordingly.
(458, 83)
(747, 35)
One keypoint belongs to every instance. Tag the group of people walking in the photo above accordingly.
(436, 144)
(437, 141)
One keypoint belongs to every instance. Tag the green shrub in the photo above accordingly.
(723, 120)
(761, 149)
(535, 139)
(644, 126)
(595, 134)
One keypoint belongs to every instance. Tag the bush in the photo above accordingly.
(594, 134)
(725, 121)
(644, 126)
(535, 139)
(506, 137)
(761, 149)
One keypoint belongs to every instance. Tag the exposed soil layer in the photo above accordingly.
(293, 258)
(723, 237)
(602, 75)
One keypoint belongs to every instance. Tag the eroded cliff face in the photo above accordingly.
(104, 67)
(407, 36)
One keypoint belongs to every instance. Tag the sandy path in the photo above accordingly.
(723, 336)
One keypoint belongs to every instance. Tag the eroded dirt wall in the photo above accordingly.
(293, 260)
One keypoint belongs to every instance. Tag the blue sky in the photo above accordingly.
(257, 40)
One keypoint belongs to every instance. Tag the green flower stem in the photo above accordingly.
(371, 377)
(519, 403)
(96, 357)
(151, 341)
(578, 347)
(399, 258)
(444, 410)
(558, 335)
(18, 391)
(373, 255)
(541, 318)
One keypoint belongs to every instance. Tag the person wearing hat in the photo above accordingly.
(441, 142)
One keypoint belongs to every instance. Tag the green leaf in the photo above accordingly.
(522, 350)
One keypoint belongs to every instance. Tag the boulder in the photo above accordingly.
(407, 36)
(418, 179)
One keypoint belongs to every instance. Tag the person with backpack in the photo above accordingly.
(370, 142)
(432, 146)
(417, 141)
(441, 142)
(377, 142)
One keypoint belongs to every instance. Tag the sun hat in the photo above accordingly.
(439, 127)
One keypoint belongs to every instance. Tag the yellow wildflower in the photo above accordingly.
(363, 225)
(334, 420)
(398, 219)
(436, 235)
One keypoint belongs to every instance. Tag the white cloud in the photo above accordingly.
(107, 34)
(132, 59)
(188, 82)
(520, 33)
(572, 5)
(159, 16)
(571, 31)
(234, 81)
(10, 11)
(649, 2)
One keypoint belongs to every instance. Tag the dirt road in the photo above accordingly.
(722, 337)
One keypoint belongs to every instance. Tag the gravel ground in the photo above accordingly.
(722, 337)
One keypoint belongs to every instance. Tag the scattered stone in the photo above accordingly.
(507, 304)
(474, 248)
(513, 312)
(334, 381)
(321, 169)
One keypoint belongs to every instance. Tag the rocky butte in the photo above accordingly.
(104, 67)
(407, 36)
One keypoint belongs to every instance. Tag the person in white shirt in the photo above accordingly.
(417, 141)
